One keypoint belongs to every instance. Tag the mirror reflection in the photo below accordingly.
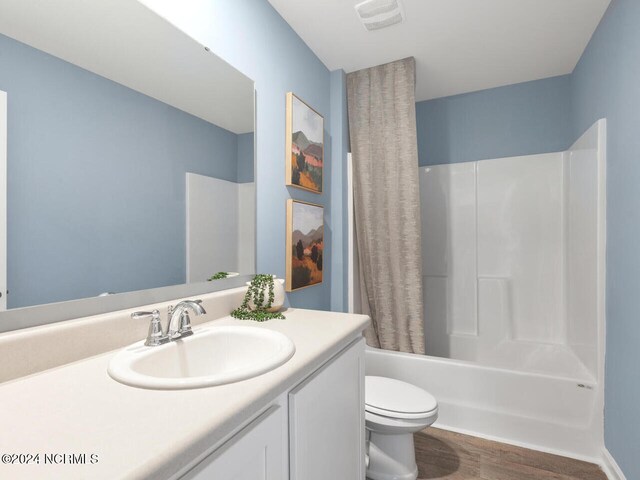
(130, 160)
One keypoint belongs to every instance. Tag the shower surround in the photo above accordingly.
(510, 261)
(514, 270)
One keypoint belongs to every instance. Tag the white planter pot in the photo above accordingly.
(278, 295)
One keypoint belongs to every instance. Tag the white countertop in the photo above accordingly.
(138, 433)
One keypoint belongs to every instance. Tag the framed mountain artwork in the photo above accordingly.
(304, 145)
(305, 244)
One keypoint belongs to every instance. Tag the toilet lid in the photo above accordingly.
(394, 398)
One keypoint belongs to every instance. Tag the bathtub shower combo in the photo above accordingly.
(513, 266)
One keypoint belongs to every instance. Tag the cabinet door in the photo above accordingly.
(326, 420)
(256, 453)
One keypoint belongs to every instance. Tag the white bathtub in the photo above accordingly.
(542, 412)
(526, 368)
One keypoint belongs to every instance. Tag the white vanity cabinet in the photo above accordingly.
(318, 434)
(326, 420)
(257, 452)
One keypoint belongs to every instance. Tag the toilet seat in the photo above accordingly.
(393, 398)
(400, 415)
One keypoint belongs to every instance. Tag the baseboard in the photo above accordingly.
(610, 467)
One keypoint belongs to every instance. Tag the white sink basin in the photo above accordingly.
(211, 356)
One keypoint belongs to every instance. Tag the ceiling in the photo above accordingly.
(124, 41)
(459, 45)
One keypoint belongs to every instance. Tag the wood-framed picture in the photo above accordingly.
(305, 244)
(304, 145)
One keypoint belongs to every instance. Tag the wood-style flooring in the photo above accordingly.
(452, 456)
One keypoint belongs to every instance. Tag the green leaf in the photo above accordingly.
(261, 285)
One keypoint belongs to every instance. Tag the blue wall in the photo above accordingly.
(82, 151)
(252, 37)
(606, 84)
(521, 119)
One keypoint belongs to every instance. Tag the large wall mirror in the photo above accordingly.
(130, 154)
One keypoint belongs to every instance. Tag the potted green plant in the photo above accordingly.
(263, 300)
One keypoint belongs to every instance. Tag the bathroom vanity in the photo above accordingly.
(303, 420)
(315, 431)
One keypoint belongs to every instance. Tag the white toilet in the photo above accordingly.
(394, 411)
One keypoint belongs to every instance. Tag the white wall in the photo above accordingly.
(582, 164)
(246, 228)
(519, 202)
(448, 201)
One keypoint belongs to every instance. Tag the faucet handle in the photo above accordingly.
(155, 336)
(143, 315)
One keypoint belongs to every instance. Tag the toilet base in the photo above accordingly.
(391, 457)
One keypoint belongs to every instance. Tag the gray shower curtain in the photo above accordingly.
(382, 125)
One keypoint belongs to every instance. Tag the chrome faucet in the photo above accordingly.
(179, 323)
